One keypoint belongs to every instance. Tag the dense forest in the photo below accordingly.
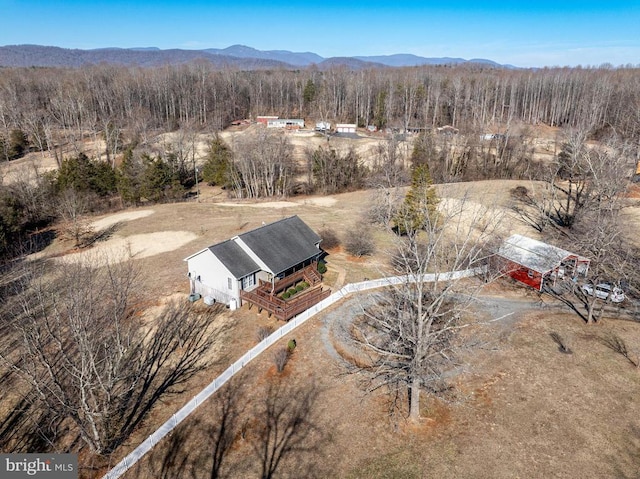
(58, 110)
(44, 103)
(73, 332)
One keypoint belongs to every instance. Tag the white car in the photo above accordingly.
(604, 291)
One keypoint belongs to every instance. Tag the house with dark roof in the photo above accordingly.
(536, 263)
(261, 256)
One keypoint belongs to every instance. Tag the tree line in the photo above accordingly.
(52, 107)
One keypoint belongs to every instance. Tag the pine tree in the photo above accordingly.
(309, 93)
(420, 207)
(216, 168)
(129, 178)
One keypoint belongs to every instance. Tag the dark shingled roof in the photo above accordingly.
(234, 258)
(283, 244)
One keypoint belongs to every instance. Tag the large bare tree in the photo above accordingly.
(80, 346)
(411, 333)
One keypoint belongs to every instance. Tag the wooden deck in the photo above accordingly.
(264, 298)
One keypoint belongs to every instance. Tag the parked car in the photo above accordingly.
(604, 291)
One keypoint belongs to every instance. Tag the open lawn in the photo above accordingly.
(520, 407)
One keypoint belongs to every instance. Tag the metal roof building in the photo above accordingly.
(533, 262)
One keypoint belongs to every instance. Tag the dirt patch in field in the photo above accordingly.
(324, 201)
(119, 218)
(262, 204)
(119, 249)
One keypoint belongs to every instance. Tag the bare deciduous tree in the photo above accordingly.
(73, 207)
(384, 206)
(585, 178)
(358, 240)
(263, 165)
(88, 358)
(388, 164)
(334, 171)
(411, 332)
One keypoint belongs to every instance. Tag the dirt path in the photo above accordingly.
(499, 317)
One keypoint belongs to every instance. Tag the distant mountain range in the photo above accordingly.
(239, 56)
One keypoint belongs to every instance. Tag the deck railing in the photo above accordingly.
(264, 298)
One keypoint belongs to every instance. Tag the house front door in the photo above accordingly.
(248, 281)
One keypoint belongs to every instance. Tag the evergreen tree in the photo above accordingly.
(84, 175)
(75, 173)
(103, 179)
(11, 221)
(4, 150)
(160, 181)
(218, 163)
(309, 93)
(18, 144)
(420, 207)
(380, 114)
(129, 178)
(423, 150)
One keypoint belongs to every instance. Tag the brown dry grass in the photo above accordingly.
(523, 409)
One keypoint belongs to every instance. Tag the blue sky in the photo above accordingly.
(528, 33)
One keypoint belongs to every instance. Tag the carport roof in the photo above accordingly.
(533, 254)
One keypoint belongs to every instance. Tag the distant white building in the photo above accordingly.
(323, 126)
(346, 127)
(285, 123)
(447, 130)
(492, 136)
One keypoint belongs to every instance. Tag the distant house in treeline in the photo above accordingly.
(346, 128)
(287, 123)
(323, 126)
(265, 119)
(447, 130)
(537, 264)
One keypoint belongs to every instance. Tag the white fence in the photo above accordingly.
(203, 395)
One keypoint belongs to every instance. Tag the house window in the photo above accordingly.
(230, 283)
(530, 274)
(248, 281)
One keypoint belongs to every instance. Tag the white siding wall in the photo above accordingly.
(262, 275)
(285, 122)
(214, 277)
(346, 128)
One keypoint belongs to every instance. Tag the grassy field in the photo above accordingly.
(518, 408)
(521, 408)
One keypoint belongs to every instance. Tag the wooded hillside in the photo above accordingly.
(46, 102)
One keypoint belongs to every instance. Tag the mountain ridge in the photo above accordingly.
(240, 56)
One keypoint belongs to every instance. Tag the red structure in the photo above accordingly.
(537, 264)
(264, 119)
